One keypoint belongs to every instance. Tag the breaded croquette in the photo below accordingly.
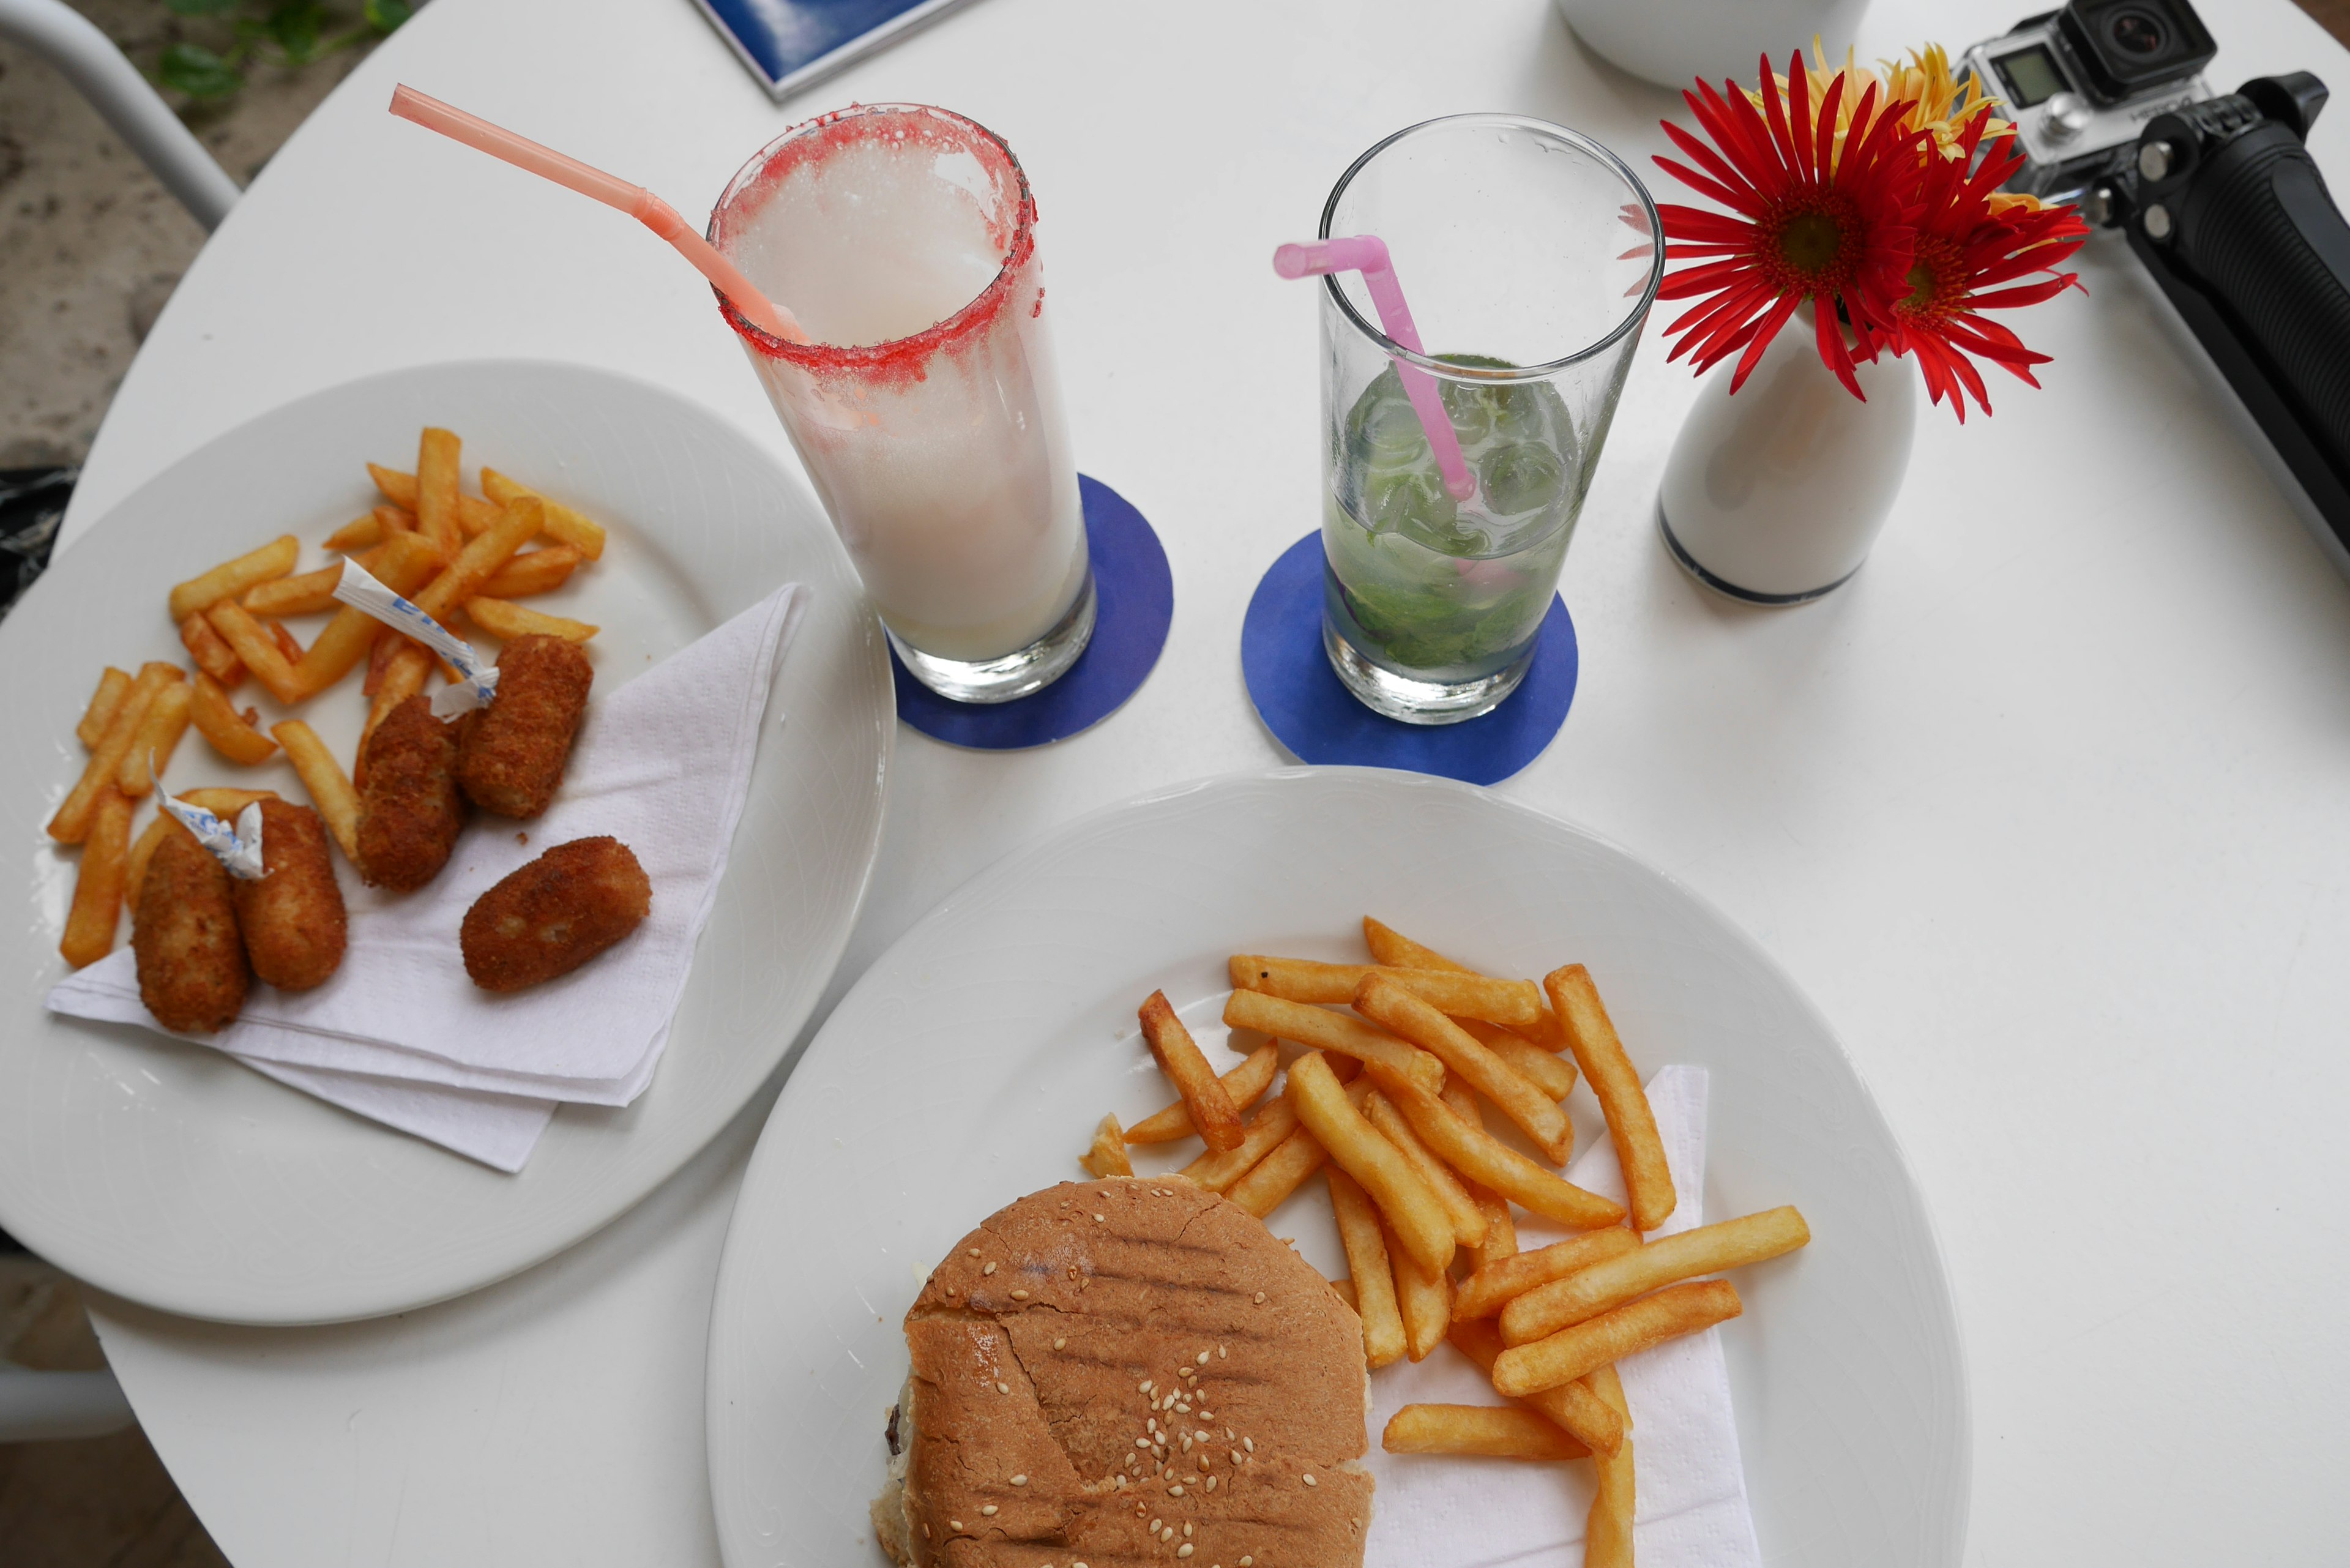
(191, 970)
(554, 914)
(410, 810)
(511, 760)
(292, 916)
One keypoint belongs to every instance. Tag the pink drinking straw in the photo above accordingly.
(1368, 254)
(609, 189)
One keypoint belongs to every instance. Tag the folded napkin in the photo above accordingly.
(1439, 1511)
(402, 1036)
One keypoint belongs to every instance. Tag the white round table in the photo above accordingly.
(2045, 809)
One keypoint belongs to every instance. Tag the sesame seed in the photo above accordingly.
(1184, 1549)
(1060, 1345)
(1203, 1461)
(1220, 1353)
(1236, 1456)
(1175, 1491)
(1141, 1442)
(1212, 1483)
(988, 1270)
(954, 1524)
(1203, 1358)
(1260, 1297)
(1228, 1431)
(1187, 1532)
(1003, 1388)
(950, 1290)
(1154, 1526)
(1308, 1479)
(1168, 1533)
(1019, 1296)
(974, 1251)
(1143, 1386)
(1248, 1563)
(1186, 1445)
(1101, 1219)
(1019, 1480)
(989, 1511)
(1208, 1416)
(1249, 1443)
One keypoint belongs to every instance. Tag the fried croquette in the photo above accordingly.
(193, 973)
(410, 810)
(511, 759)
(554, 914)
(292, 916)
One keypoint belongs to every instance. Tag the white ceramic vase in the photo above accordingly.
(1774, 495)
(1673, 42)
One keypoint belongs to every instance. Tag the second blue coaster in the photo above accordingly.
(1134, 604)
(1302, 701)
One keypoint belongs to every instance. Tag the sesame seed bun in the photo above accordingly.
(1016, 1441)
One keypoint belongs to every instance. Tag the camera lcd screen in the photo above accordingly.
(2031, 75)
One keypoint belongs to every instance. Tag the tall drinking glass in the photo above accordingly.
(926, 409)
(1530, 256)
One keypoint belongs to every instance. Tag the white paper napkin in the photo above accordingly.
(1438, 1512)
(400, 1034)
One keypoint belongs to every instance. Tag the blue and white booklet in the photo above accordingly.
(791, 44)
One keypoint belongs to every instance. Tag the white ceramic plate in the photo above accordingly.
(970, 1065)
(171, 1175)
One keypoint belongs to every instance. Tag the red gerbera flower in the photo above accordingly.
(1963, 249)
(1819, 216)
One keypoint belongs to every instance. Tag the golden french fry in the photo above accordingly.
(1212, 1111)
(258, 649)
(1423, 1298)
(112, 687)
(403, 677)
(287, 643)
(1272, 1179)
(1326, 1031)
(71, 823)
(224, 803)
(303, 593)
(394, 486)
(1486, 1431)
(1495, 1285)
(1578, 1410)
(158, 733)
(1245, 1084)
(1609, 1282)
(437, 453)
(1392, 949)
(1491, 1163)
(1607, 1535)
(533, 572)
(231, 733)
(403, 562)
(330, 789)
(1106, 1158)
(1468, 1218)
(1626, 1330)
(1382, 1001)
(563, 525)
(1450, 991)
(482, 555)
(1217, 1170)
(1421, 1225)
(230, 579)
(1631, 1125)
(1551, 1073)
(1501, 1231)
(500, 618)
(1368, 1267)
(210, 654)
(356, 534)
(135, 872)
(98, 885)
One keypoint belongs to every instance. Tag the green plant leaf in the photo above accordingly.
(200, 7)
(195, 71)
(294, 26)
(386, 15)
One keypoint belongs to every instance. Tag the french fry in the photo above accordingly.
(258, 650)
(1368, 1267)
(1551, 1073)
(1326, 1031)
(1423, 1298)
(1468, 1218)
(158, 733)
(394, 486)
(330, 790)
(1585, 1293)
(1381, 1000)
(474, 516)
(1626, 1330)
(401, 520)
(1485, 1431)
(209, 653)
(1212, 1111)
(403, 564)
(1491, 1163)
(1421, 1226)
(1495, 1285)
(403, 678)
(1392, 948)
(1578, 1411)
(436, 489)
(1631, 1124)
(356, 534)
(1217, 1170)
(305, 593)
(1106, 1158)
(1272, 1179)
(482, 555)
(230, 579)
(229, 732)
(135, 873)
(1449, 991)
(503, 619)
(563, 525)
(1608, 1533)
(224, 803)
(112, 687)
(98, 885)
(287, 643)
(1245, 1085)
(1501, 1231)
(533, 572)
(71, 823)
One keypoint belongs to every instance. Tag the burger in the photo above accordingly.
(1121, 1372)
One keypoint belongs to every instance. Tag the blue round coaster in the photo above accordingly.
(1134, 594)
(1302, 701)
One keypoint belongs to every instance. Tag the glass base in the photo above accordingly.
(1422, 701)
(1015, 674)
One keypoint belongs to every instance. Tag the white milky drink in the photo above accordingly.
(926, 408)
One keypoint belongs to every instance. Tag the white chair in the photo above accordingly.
(88, 59)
